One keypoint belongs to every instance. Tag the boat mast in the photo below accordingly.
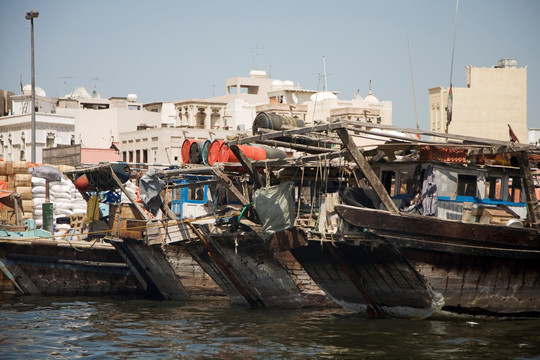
(450, 96)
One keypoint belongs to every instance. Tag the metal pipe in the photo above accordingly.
(30, 16)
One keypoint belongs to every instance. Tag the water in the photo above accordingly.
(131, 328)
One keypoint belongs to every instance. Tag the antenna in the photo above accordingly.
(65, 78)
(412, 84)
(256, 56)
(325, 76)
(450, 95)
(95, 79)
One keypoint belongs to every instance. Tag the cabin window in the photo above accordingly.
(466, 185)
(494, 188)
(176, 194)
(196, 193)
(388, 178)
(514, 189)
(406, 182)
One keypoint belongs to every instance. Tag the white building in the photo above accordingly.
(79, 118)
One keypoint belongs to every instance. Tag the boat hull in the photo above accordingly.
(478, 268)
(57, 268)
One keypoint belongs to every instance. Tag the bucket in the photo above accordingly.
(205, 151)
(195, 152)
(186, 147)
(214, 151)
(274, 122)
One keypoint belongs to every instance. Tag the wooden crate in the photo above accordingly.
(126, 222)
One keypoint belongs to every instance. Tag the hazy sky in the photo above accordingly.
(172, 50)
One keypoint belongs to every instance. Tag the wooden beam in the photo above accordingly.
(363, 164)
(436, 134)
(295, 146)
(131, 198)
(533, 210)
(228, 182)
(226, 269)
(295, 131)
(191, 170)
(257, 178)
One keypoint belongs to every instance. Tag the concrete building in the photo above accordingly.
(16, 134)
(534, 136)
(167, 111)
(492, 99)
(202, 114)
(77, 119)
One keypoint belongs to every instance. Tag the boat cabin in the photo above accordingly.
(456, 185)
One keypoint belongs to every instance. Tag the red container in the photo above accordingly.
(252, 152)
(186, 146)
(213, 152)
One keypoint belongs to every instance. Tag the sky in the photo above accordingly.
(174, 50)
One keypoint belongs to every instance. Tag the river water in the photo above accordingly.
(133, 328)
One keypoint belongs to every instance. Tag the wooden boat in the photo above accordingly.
(229, 259)
(388, 262)
(34, 262)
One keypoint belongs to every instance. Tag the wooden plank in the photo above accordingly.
(363, 164)
(373, 306)
(258, 180)
(191, 170)
(533, 209)
(436, 134)
(295, 146)
(227, 270)
(22, 281)
(228, 182)
(295, 131)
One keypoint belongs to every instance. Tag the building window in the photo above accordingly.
(124, 156)
(50, 140)
(72, 141)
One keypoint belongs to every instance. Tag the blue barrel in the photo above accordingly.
(206, 151)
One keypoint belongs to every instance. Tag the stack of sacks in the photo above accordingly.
(65, 197)
(78, 202)
(38, 198)
(61, 193)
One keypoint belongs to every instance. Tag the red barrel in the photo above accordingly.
(213, 152)
(186, 147)
(252, 152)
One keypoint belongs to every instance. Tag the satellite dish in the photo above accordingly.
(294, 98)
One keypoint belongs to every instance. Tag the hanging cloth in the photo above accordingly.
(92, 209)
(430, 200)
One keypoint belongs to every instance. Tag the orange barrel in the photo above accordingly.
(195, 152)
(213, 152)
(186, 147)
(252, 152)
